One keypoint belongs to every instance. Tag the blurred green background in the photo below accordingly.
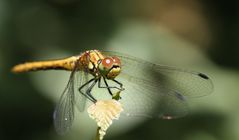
(193, 34)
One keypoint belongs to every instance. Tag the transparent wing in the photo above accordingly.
(149, 85)
(81, 77)
(187, 83)
(149, 101)
(64, 111)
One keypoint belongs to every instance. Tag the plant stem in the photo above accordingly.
(97, 134)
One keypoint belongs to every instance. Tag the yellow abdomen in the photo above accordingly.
(62, 64)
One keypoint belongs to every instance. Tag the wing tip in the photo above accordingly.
(204, 76)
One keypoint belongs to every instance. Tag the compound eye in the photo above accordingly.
(107, 62)
(116, 60)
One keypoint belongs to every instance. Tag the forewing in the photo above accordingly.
(64, 111)
(187, 83)
(158, 91)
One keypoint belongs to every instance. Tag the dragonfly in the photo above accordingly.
(146, 89)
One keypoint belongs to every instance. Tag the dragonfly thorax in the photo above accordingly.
(98, 65)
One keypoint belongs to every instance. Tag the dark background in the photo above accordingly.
(201, 35)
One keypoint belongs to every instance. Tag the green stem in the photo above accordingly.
(97, 134)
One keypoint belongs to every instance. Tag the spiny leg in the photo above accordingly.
(108, 88)
(86, 95)
(119, 83)
(121, 86)
(88, 91)
(111, 86)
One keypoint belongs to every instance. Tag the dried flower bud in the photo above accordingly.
(103, 112)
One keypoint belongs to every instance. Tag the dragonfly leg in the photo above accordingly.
(108, 88)
(88, 91)
(86, 95)
(119, 83)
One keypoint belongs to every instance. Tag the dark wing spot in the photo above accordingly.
(179, 96)
(203, 76)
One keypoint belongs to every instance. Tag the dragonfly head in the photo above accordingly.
(110, 67)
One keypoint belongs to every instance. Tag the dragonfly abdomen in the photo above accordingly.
(61, 64)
